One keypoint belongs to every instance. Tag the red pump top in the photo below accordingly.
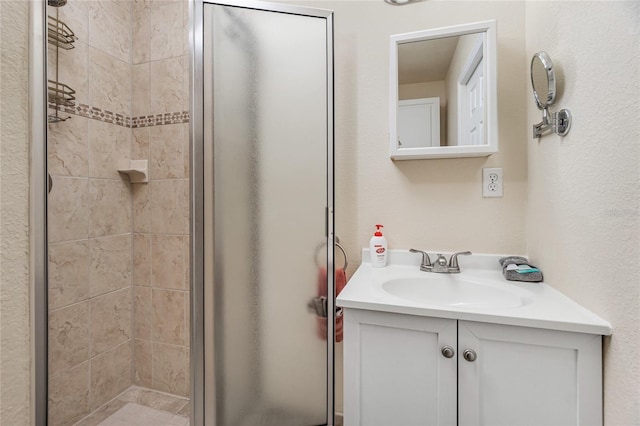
(378, 233)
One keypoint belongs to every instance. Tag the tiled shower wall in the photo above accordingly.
(90, 219)
(118, 253)
(161, 209)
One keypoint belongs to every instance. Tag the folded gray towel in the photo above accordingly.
(513, 269)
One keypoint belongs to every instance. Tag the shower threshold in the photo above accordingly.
(139, 406)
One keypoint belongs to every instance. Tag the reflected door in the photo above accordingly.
(474, 120)
(267, 188)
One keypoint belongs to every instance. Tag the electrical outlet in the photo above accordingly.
(492, 182)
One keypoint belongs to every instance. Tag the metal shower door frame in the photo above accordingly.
(38, 184)
(202, 378)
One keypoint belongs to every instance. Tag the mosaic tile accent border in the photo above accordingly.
(99, 114)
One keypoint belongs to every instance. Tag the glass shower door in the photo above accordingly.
(268, 190)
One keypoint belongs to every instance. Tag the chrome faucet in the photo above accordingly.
(440, 265)
(425, 265)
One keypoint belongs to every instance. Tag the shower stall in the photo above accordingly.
(116, 298)
(263, 214)
(185, 233)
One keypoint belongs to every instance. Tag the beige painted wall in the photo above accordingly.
(428, 204)
(15, 351)
(583, 223)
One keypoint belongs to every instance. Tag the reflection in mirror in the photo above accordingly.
(446, 70)
(443, 101)
(543, 80)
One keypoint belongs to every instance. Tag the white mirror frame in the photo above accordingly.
(491, 97)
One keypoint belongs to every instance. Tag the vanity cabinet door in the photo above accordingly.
(528, 376)
(395, 372)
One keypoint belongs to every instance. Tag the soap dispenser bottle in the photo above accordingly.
(378, 249)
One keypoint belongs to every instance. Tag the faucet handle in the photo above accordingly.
(425, 265)
(440, 260)
(453, 262)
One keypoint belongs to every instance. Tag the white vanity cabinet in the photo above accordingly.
(396, 373)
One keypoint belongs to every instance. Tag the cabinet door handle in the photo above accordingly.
(470, 355)
(448, 351)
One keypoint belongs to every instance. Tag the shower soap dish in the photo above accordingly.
(138, 171)
(517, 268)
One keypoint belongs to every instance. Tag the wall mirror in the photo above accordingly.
(543, 81)
(443, 93)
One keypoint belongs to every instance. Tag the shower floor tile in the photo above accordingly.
(139, 415)
(144, 402)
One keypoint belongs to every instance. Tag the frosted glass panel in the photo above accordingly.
(269, 112)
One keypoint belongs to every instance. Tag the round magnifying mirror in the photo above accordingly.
(543, 80)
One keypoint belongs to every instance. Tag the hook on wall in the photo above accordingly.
(543, 80)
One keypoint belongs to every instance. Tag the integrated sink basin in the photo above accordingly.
(455, 291)
(478, 293)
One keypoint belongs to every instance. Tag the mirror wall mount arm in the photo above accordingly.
(559, 123)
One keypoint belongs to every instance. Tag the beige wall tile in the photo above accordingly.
(167, 85)
(111, 266)
(170, 206)
(68, 337)
(110, 207)
(167, 152)
(167, 264)
(76, 15)
(167, 38)
(186, 143)
(73, 70)
(185, 30)
(110, 374)
(110, 82)
(168, 316)
(187, 147)
(110, 320)
(68, 273)
(187, 261)
(186, 70)
(142, 260)
(143, 363)
(141, 32)
(141, 195)
(110, 27)
(140, 144)
(143, 321)
(68, 209)
(140, 90)
(171, 369)
(69, 396)
(109, 149)
(68, 147)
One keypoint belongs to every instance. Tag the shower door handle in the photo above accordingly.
(50, 183)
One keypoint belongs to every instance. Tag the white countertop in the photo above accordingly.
(547, 309)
